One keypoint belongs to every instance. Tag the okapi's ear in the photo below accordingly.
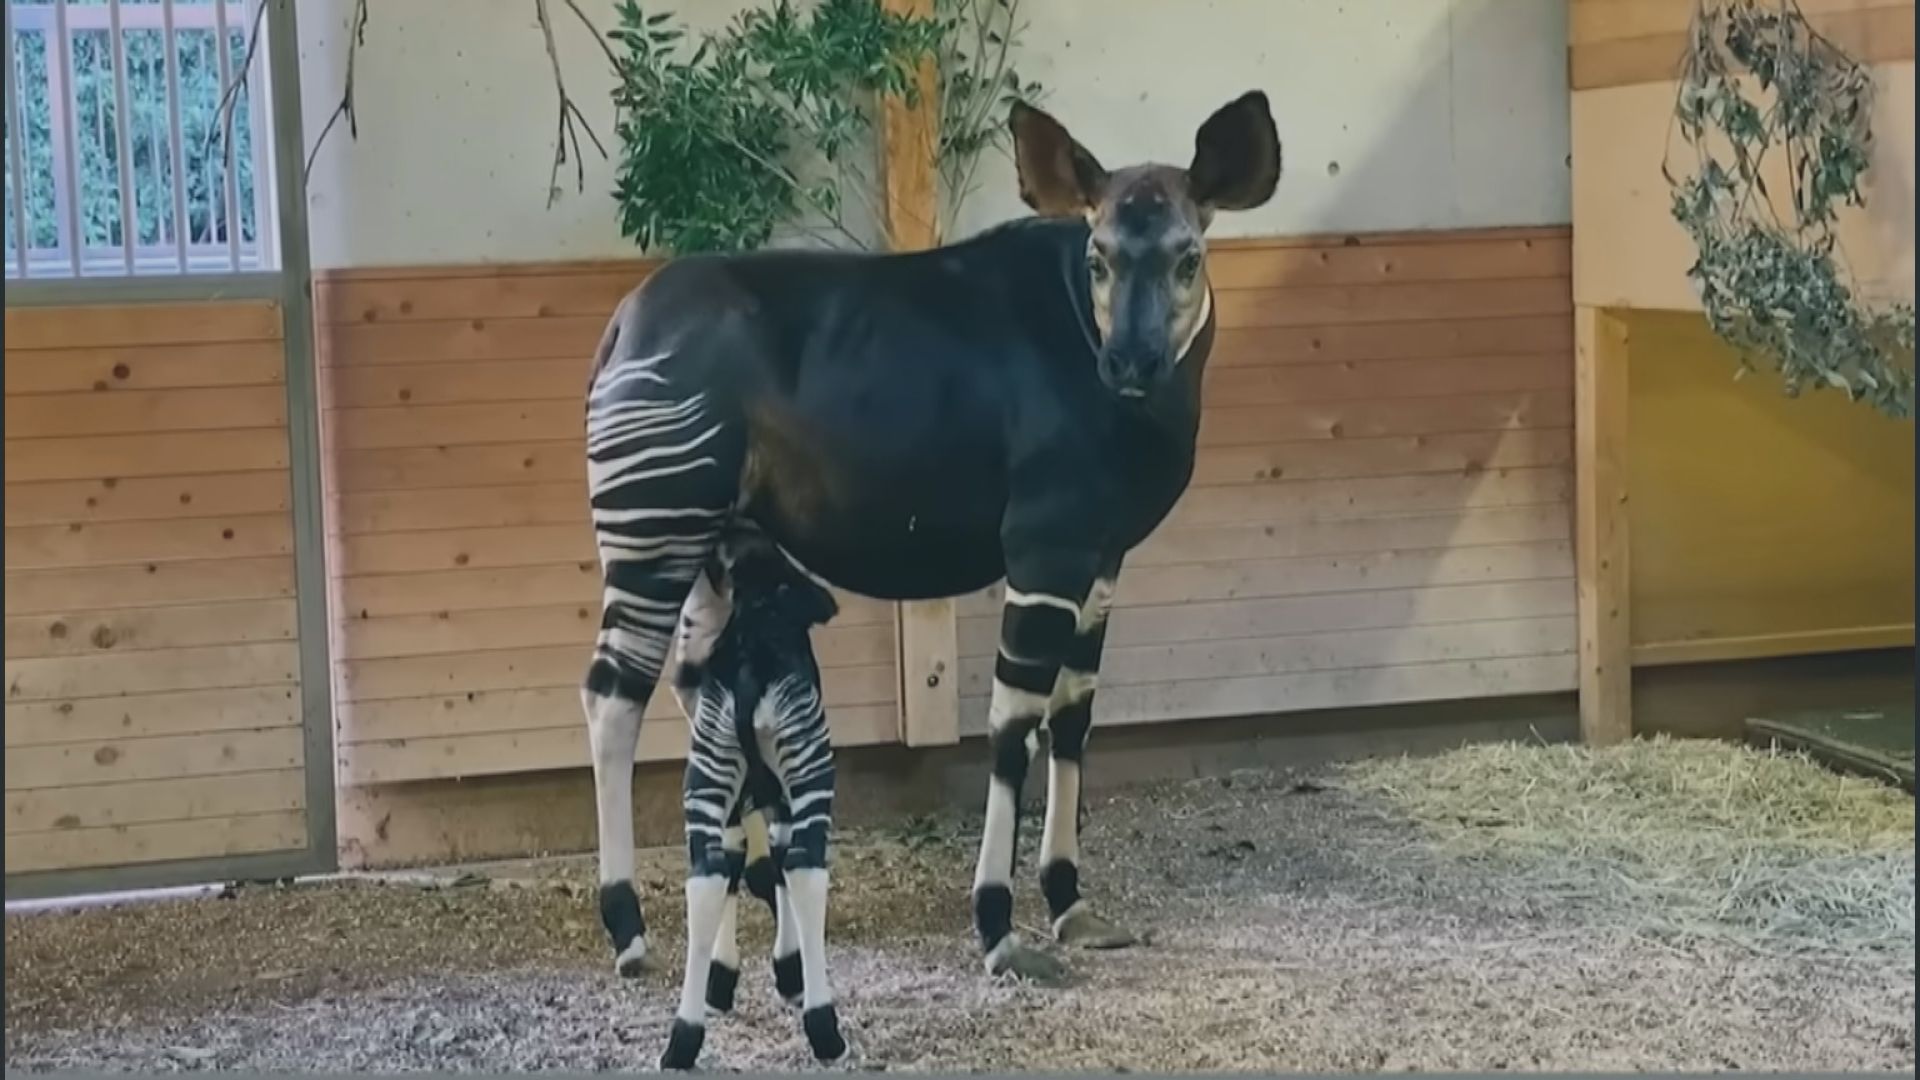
(1236, 156)
(1058, 177)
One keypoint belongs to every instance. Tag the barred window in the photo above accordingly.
(118, 159)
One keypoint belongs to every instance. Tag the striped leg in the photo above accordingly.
(767, 879)
(1069, 720)
(787, 976)
(716, 772)
(1044, 598)
(723, 975)
(663, 474)
(803, 751)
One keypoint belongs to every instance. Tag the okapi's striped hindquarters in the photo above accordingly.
(663, 470)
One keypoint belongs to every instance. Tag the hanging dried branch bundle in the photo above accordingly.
(1772, 280)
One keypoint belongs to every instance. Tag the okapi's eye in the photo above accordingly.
(1097, 267)
(1188, 267)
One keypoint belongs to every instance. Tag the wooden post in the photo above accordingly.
(928, 634)
(1600, 526)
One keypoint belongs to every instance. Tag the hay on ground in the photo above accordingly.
(1687, 838)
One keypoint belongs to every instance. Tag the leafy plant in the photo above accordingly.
(1771, 279)
(769, 122)
(977, 84)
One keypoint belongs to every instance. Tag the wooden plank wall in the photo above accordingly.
(1381, 511)
(465, 583)
(1381, 508)
(153, 699)
(1625, 42)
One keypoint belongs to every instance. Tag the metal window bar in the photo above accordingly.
(185, 251)
(60, 103)
(229, 157)
(123, 123)
(170, 47)
(16, 135)
(265, 172)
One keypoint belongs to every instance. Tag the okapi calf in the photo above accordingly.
(760, 742)
(1022, 405)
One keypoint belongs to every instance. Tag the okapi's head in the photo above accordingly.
(1147, 251)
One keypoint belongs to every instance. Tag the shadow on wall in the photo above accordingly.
(1479, 138)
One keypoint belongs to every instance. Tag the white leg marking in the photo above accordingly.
(1070, 687)
(613, 727)
(807, 891)
(1025, 599)
(786, 932)
(1009, 702)
(726, 942)
(1099, 602)
(702, 619)
(634, 953)
(706, 901)
(1061, 838)
(996, 838)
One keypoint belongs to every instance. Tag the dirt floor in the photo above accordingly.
(1293, 925)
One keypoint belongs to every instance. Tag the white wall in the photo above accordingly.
(1395, 114)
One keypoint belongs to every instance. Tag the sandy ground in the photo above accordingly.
(1293, 926)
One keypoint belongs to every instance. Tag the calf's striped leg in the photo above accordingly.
(1044, 599)
(716, 772)
(1069, 721)
(662, 472)
(723, 976)
(787, 980)
(803, 753)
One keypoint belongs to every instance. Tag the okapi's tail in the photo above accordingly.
(610, 337)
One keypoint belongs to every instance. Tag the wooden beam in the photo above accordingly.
(909, 166)
(929, 631)
(1600, 526)
(1628, 44)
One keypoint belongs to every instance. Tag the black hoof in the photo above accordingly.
(620, 914)
(722, 983)
(683, 1045)
(822, 1026)
(787, 978)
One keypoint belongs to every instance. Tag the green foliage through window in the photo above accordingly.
(1772, 278)
(92, 109)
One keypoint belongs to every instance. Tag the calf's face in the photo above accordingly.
(1146, 250)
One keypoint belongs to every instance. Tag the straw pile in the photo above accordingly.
(1681, 838)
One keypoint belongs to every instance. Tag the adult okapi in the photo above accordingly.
(1022, 405)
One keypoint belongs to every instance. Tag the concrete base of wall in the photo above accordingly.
(1715, 700)
(551, 813)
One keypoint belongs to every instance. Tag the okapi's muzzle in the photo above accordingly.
(1135, 373)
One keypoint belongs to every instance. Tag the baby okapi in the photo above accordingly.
(759, 743)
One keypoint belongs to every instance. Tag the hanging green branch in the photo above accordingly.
(1773, 284)
(769, 123)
